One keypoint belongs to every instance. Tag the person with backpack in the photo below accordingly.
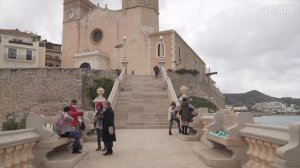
(65, 129)
(184, 112)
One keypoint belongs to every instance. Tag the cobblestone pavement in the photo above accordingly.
(144, 148)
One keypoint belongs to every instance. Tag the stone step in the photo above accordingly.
(218, 158)
(141, 127)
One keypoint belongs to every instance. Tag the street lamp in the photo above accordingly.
(118, 46)
(124, 40)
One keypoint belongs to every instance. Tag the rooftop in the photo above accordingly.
(16, 32)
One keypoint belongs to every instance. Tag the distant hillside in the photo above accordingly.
(254, 96)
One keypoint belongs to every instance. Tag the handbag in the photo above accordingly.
(111, 130)
(82, 125)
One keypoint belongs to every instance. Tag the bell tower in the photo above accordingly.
(76, 9)
(152, 4)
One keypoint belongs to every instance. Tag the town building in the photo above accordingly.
(21, 49)
(53, 54)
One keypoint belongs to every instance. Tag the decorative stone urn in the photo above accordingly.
(100, 98)
(183, 90)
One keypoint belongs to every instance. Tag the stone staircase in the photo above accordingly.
(143, 103)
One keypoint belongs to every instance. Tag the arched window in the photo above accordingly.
(85, 65)
(160, 50)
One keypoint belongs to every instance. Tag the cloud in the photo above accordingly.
(250, 43)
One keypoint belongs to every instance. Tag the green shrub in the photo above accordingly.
(198, 102)
(14, 122)
(188, 71)
(106, 83)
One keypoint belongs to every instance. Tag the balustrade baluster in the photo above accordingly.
(249, 152)
(29, 153)
(256, 154)
(8, 157)
(264, 155)
(24, 156)
(1, 158)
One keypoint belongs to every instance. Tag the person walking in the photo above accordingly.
(172, 116)
(98, 125)
(185, 115)
(108, 132)
(156, 71)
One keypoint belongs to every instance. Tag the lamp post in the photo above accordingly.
(118, 46)
(124, 42)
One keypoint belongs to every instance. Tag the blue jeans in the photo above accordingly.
(99, 135)
(76, 136)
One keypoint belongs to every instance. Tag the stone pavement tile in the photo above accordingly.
(144, 148)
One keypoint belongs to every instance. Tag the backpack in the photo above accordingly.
(59, 124)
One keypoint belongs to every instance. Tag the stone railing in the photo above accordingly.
(16, 148)
(114, 94)
(171, 92)
(272, 147)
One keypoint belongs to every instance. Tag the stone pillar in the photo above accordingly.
(100, 98)
(161, 62)
(124, 62)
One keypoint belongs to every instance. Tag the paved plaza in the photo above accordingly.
(144, 148)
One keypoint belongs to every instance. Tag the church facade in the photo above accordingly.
(99, 38)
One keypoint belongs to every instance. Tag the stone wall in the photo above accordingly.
(198, 87)
(45, 90)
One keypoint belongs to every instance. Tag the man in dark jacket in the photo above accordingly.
(108, 128)
(156, 71)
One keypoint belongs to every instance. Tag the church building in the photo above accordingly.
(99, 38)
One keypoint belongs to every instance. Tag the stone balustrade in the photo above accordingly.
(171, 92)
(114, 94)
(16, 148)
(271, 146)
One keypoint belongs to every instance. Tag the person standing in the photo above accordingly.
(75, 114)
(172, 116)
(98, 121)
(108, 132)
(185, 115)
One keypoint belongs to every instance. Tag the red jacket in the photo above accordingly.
(74, 114)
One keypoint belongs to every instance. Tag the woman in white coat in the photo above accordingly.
(172, 116)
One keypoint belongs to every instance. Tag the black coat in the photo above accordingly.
(108, 120)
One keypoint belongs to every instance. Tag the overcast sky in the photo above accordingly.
(252, 44)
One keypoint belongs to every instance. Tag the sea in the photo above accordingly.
(277, 120)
